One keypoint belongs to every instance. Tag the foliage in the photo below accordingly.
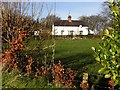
(62, 76)
(15, 58)
(15, 17)
(8, 58)
(108, 53)
(12, 19)
(17, 67)
(16, 79)
(22, 66)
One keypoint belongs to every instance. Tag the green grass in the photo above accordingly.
(13, 80)
(77, 54)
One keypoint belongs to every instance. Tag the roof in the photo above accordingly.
(67, 23)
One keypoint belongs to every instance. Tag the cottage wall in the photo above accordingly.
(84, 30)
(69, 30)
(69, 27)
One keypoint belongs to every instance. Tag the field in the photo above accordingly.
(74, 54)
(77, 54)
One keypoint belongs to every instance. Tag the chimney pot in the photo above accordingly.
(69, 18)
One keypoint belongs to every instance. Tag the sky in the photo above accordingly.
(75, 9)
(62, 8)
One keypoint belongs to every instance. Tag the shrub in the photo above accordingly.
(108, 53)
(62, 76)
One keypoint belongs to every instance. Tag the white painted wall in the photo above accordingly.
(84, 30)
(65, 30)
(91, 32)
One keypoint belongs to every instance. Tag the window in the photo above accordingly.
(71, 32)
(62, 32)
(81, 32)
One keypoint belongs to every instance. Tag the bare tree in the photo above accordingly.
(24, 16)
(17, 15)
(95, 22)
(49, 20)
(100, 21)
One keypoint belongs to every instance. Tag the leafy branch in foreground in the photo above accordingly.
(62, 76)
(108, 53)
(8, 58)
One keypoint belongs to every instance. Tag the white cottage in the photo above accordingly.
(69, 27)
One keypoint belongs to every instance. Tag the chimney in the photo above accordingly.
(69, 18)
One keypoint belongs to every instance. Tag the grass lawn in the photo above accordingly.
(77, 54)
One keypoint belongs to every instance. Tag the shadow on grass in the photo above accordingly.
(78, 61)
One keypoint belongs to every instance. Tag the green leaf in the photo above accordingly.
(110, 28)
(111, 1)
(109, 54)
(115, 9)
(105, 57)
(107, 76)
(116, 82)
(114, 77)
(101, 70)
(93, 48)
(98, 59)
(109, 36)
(106, 31)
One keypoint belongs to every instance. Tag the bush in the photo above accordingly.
(108, 53)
